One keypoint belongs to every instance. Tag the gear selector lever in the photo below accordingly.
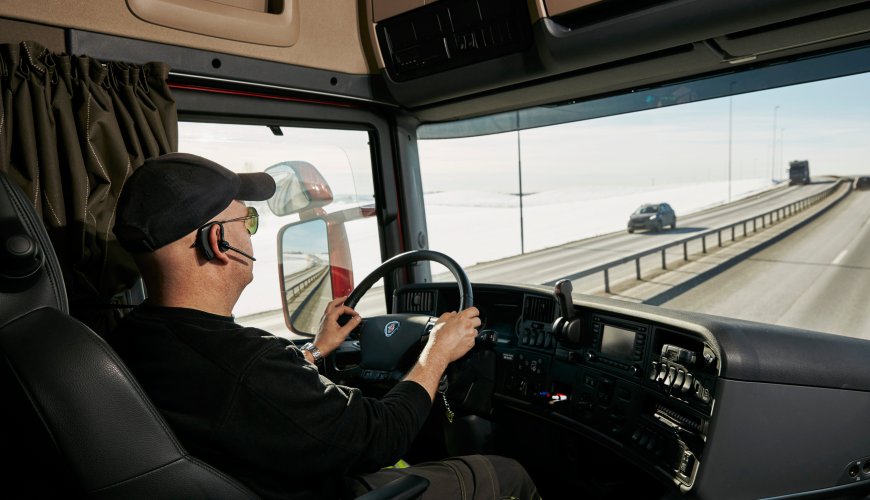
(567, 327)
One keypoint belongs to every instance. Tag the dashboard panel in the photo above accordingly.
(687, 398)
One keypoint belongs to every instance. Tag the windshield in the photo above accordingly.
(647, 209)
(540, 204)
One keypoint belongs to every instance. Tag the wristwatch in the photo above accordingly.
(315, 352)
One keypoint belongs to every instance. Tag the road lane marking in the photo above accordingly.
(839, 257)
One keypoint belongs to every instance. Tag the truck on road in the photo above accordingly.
(798, 172)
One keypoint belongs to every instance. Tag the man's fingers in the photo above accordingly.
(471, 312)
(349, 326)
(335, 302)
(338, 311)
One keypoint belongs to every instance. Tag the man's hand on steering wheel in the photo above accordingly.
(454, 333)
(331, 333)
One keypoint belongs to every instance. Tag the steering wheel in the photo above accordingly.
(384, 341)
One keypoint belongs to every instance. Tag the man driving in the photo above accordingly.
(253, 404)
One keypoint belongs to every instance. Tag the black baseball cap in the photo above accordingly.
(171, 195)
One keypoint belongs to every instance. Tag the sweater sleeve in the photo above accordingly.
(302, 420)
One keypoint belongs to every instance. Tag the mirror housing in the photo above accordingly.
(300, 187)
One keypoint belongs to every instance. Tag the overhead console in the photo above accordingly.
(452, 33)
(556, 50)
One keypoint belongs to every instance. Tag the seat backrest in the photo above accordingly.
(74, 422)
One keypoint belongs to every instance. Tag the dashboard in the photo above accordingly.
(711, 407)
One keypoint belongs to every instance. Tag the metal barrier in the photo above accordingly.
(767, 218)
(301, 286)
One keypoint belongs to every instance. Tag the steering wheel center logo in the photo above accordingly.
(391, 328)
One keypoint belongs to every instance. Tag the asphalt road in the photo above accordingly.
(818, 278)
(563, 261)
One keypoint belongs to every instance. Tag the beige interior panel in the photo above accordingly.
(328, 38)
(223, 21)
(556, 7)
(256, 5)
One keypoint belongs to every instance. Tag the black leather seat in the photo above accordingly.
(74, 421)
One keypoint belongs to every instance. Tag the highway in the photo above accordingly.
(733, 298)
(563, 261)
(817, 278)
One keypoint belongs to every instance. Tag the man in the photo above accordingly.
(250, 403)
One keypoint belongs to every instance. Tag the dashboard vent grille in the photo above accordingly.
(539, 309)
(417, 301)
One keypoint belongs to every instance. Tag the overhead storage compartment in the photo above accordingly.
(594, 47)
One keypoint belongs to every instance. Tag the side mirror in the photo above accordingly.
(299, 187)
(314, 267)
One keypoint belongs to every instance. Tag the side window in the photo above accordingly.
(343, 157)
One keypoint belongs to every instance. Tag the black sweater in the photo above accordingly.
(249, 404)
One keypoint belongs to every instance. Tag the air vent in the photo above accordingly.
(539, 309)
(417, 301)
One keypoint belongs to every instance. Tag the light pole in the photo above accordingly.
(782, 149)
(773, 147)
(520, 173)
(730, 129)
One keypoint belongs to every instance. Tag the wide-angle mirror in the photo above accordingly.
(299, 186)
(306, 286)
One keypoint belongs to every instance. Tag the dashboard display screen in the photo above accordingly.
(617, 343)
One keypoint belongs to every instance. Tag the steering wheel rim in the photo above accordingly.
(466, 296)
(380, 351)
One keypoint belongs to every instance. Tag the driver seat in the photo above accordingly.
(74, 422)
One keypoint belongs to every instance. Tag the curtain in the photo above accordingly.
(72, 129)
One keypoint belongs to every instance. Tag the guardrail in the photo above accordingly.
(296, 289)
(767, 218)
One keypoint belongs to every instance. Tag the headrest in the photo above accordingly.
(30, 276)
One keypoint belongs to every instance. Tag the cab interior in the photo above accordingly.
(597, 398)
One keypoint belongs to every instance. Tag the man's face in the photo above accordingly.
(236, 235)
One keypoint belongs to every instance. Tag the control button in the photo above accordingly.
(687, 463)
(689, 382)
(663, 372)
(654, 370)
(636, 436)
(672, 373)
(652, 444)
(679, 379)
(702, 392)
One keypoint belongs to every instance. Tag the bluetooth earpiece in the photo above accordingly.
(203, 243)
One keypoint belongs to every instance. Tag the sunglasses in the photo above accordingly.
(252, 220)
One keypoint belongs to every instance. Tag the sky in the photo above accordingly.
(826, 123)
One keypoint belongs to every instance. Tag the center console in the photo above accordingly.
(647, 389)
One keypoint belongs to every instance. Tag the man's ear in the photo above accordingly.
(214, 239)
